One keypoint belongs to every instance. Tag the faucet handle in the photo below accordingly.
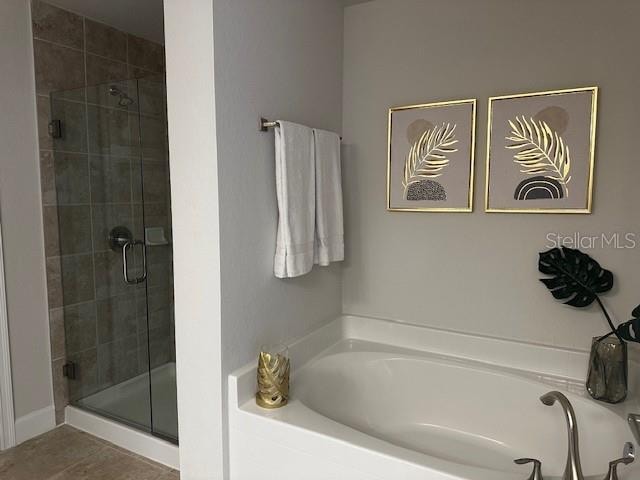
(537, 467)
(612, 474)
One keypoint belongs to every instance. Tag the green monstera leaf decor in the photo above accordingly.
(630, 330)
(574, 276)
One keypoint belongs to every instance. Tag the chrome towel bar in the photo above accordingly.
(265, 125)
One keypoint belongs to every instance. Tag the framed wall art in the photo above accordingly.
(430, 157)
(540, 152)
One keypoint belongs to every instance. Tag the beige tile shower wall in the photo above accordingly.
(477, 272)
(91, 182)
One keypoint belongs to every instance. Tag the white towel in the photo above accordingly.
(329, 246)
(295, 190)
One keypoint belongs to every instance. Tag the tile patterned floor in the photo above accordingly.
(68, 454)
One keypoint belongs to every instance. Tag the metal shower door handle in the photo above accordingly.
(125, 266)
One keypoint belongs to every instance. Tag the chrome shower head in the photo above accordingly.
(124, 100)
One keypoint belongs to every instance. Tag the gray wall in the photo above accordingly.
(280, 59)
(21, 212)
(477, 272)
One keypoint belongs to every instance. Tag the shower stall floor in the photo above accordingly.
(129, 402)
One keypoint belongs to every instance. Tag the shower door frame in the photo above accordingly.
(7, 416)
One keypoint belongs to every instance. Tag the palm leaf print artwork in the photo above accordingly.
(542, 153)
(426, 160)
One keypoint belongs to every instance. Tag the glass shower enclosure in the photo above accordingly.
(114, 233)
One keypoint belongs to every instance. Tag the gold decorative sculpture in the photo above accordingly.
(273, 378)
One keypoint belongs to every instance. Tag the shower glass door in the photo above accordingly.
(156, 213)
(114, 237)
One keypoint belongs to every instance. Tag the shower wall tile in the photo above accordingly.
(47, 178)
(136, 184)
(60, 388)
(60, 414)
(110, 179)
(159, 346)
(109, 131)
(77, 278)
(152, 134)
(159, 274)
(54, 282)
(106, 41)
(137, 72)
(51, 236)
(56, 333)
(143, 352)
(145, 54)
(73, 117)
(109, 282)
(118, 361)
(159, 253)
(158, 212)
(56, 25)
(101, 70)
(71, 173)
(159, 298)
(172, 352)
(160, 319)
(155, 182)
(86, 381)
(80, 323)
(75, 229)
(116, 318)
(57, 68)
(152, 98)
(141, 309)
(73, 95)
(43, 108)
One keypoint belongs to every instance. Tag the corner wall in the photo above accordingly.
(477, 272)
(21, 216)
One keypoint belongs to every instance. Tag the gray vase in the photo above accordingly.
(608, 365)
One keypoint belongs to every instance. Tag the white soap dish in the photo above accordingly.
(154, 236)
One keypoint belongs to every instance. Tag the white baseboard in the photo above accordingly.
(126, 437)
(35, 423)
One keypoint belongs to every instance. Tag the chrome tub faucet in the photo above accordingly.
(537, 467)
(573, 470)
(628, 456)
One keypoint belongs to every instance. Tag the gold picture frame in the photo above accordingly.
(458, 140)
(556, 152)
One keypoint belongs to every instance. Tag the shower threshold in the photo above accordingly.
(119, 413)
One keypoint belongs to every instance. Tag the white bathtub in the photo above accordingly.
(380, 400)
